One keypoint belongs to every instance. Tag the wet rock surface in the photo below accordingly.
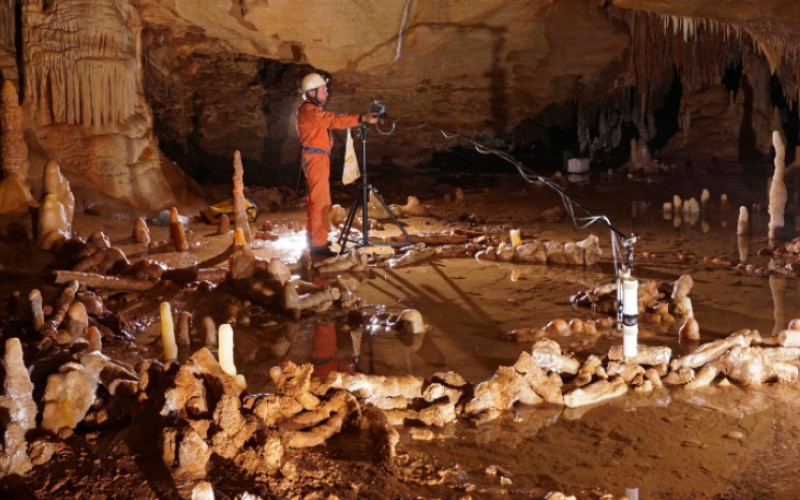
(411, 384)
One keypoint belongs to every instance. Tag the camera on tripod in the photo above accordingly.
(378, 108)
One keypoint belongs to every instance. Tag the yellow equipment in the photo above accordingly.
(213, 212)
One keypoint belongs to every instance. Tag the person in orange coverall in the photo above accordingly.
(314, 126)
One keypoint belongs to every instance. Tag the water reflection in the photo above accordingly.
(777, 285)
(743, 244)
(632, 493)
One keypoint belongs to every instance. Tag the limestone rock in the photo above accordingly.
(19, 411)
(68, 396)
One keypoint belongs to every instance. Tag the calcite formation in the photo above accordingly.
(19, 411)
(58, 207)
(15, 188)
(777, 189)
(83, 85)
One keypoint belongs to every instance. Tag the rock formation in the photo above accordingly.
(84, 88)
(15, 187)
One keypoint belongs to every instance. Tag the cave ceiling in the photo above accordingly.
(213, 76)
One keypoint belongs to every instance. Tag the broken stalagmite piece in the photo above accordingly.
(690, 330)
(595, 392)
(35, 298)
(410, 322)
(141, 233)
(183, 332)
(224, 226)
(177, 233)
(66, 298)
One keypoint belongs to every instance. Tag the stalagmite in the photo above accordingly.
(680, 295)
(225, 338)
(704, 197)
(55, 183)
(76, 320)
(743, 226)
(690, 330)
(35, 298)
(224, 226)
(168, 333)
(777, 190)
(19, 411)
(177, 233)
(141, 233)
(410, 322)
(15, 188)
(183, 332)
(95, 339)
(723, 202)
(53, 225)
(676, 202)
(240, 215)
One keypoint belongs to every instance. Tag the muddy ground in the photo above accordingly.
(717, 442)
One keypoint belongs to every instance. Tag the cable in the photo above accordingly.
(569, 203)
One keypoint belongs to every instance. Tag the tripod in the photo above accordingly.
(366, 189)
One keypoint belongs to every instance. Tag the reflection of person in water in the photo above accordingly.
(325, 357)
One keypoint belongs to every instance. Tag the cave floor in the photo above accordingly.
(718, 442)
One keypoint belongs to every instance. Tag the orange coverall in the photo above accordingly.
(313, 126)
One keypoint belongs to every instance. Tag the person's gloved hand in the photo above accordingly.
(370, 118)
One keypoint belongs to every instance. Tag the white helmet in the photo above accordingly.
(312, 81)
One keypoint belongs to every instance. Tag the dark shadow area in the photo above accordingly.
(667, 116)
(732, 77)
(789, 117)
(748, 152)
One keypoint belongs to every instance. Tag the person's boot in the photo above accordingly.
(322, 251)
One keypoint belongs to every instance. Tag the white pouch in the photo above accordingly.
(351, 171)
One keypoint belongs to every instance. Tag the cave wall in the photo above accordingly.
(103, 80)
(476, 67)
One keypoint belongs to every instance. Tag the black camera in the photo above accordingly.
(378, 108)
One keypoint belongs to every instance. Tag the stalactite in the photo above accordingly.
(80, 72)
(701, 49)
(7, 30)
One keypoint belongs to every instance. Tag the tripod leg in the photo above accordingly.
(391, 215)
(344, 234)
